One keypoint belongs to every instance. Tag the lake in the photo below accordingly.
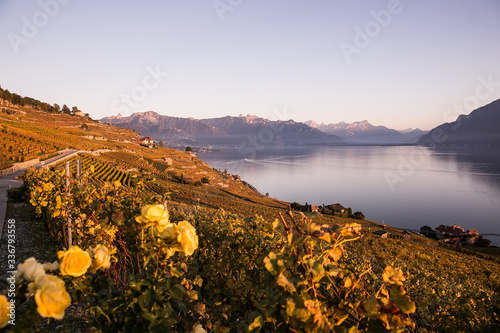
(405, 186)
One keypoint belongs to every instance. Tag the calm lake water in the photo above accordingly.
(406, 187)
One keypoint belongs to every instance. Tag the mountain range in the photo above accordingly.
(224, 131)
(362, 132)
(480, 127)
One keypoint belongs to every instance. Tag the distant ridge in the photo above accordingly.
(222, 131)
(480, 127)
(363, 132)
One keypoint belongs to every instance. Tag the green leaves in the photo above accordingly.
(371, 306)
(405, 304)
(256, 324)
(147, 299)
(274, 264)
(315, 291)
(282, 281)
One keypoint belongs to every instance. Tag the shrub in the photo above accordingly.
(359, 216)
(483, 242)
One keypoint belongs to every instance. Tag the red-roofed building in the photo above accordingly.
(147, 142)
(456, 233)
(454, 230)
(336, 207)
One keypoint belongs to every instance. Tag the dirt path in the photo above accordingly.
(32, 239)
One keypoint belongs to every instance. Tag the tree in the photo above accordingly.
(205, 180)
(160, 143)
(57, 108)
(188, 149)
(74, 109)
(428, 232)
(18, 100)
(359, 216)
(65, 109)
(85, 127)
(483, 242)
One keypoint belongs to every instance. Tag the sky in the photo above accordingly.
(397, 63)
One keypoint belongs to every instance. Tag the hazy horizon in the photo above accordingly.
(399, 64)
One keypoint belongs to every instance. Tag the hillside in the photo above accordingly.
(30, 133)
(252, 260)
(480, 127)
(225, 131)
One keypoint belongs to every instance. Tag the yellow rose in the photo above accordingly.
(154, 214)
(162, 224)
(51, 297)
(4, 318)
(187, 237)
(74, 262)
(30, 269)
(42, 280)
(101, 258)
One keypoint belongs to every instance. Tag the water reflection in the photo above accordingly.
(402, 186)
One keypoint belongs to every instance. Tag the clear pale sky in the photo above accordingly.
(394, 63)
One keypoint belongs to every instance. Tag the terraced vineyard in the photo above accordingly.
(27, 133)
(16, 146)
(99, 169)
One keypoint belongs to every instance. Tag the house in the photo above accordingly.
(336, 207)
(314, 208)
(450, 233)
(79, 113)
(147, 142)
(457, 234)
(381, 233)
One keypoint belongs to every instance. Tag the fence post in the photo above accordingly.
(70, 238)
(67, 176)
(78, 169)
